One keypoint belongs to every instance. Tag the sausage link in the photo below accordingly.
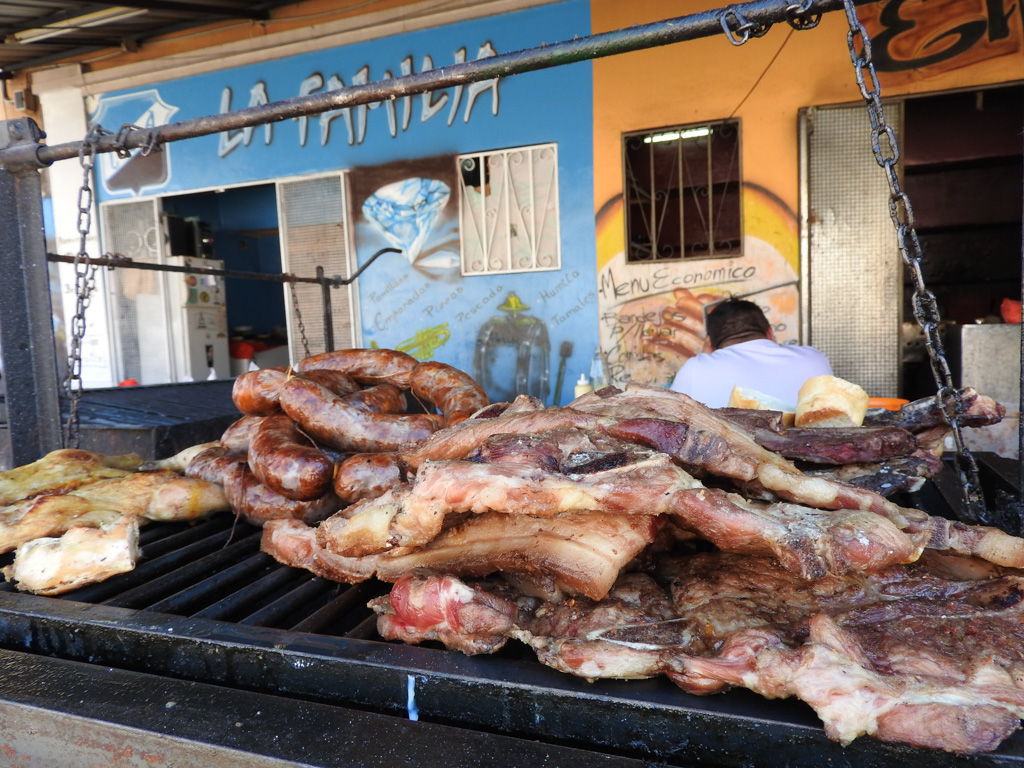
(453, 392)
(236, 438)
(367, 476)
(339, 383)
(286, 461)
(367, 366)
(257, 504)
(256, 393)
(213, 463)
(329, 420)
(380, 398)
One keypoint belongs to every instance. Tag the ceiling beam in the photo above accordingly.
(207, 9)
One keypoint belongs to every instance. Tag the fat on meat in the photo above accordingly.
(570, 555)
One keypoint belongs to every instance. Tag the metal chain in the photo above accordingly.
(926, 311)
(738, 29)
(298, 319)
(85, 282)
(799, 17)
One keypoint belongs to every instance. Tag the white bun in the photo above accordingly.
(828, 401)
(743, 397)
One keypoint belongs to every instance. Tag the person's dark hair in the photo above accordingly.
(735, 318)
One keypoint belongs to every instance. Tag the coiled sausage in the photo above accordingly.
(256, 393)
(212, 463)
(453, 392)
(257, 504)
(328, 419)
(367, 366)
(380, 398)
(286, 461)
(236, 438)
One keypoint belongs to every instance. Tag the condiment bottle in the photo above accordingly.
(582, 386)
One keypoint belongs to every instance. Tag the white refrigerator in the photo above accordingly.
(198, 322)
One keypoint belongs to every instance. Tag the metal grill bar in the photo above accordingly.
(351, 600)
(164, 576)
(220, 582)
(254, 592)
(287, 605)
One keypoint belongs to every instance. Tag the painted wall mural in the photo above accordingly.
(526, 332)
(652, 314)
(500, 328)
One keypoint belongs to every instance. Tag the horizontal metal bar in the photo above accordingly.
(245, 601)
(123, 262)
(635, 38)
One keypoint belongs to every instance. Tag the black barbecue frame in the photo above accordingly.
(88, 655)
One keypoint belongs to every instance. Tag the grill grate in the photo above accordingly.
(205, 605)
(215, 570)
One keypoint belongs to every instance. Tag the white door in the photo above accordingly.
(313, 221)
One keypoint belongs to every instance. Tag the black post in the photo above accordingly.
(1020, 380)
(27, 354)
(325, 287)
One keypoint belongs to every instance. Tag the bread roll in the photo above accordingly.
(828, 401)
(743, 397)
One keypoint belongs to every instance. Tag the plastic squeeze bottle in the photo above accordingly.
(582, 386)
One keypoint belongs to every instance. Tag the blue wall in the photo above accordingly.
(549, 106)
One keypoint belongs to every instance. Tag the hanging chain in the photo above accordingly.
(925, 305)
(298, 319)
(85, 282)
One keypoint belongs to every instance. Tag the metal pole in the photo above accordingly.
(709, 23)
(27, 353)
(325, 288)
(1020, 382)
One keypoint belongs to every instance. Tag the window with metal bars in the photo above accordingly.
(682, 192)
(508, 210)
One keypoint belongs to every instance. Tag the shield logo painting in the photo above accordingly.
(138, 172)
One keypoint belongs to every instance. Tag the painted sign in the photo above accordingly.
(917, 39)
(652, 314)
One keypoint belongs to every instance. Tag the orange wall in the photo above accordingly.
(711, 78)
(764, 82)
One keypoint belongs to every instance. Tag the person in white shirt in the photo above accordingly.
(746, 354)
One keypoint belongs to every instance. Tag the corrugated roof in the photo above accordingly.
(36, 33)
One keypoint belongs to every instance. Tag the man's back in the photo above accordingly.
(774, 369)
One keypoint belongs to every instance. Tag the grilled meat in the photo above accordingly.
(916, 654)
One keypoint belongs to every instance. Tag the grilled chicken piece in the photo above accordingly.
(179, 462)
(153, 496)
(162, 496)
(83, 555)
(62, 471)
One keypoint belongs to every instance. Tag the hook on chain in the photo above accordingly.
(738, 29)
(799, 17)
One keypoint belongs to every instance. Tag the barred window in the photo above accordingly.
(682, 192)
(508, 210)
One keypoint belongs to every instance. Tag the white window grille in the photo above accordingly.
(508, 210)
